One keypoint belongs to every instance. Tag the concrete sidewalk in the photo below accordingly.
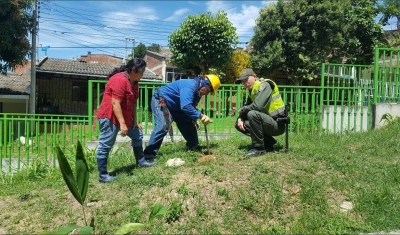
(125, 142)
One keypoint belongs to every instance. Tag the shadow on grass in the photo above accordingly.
(276, 148)
(202, 148)
(124, 169)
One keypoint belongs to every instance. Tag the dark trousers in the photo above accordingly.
(183, 122)
(260, 127)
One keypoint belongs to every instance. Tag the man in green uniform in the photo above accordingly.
(257, 118)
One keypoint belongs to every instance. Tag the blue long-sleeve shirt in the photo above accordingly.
(182, 97)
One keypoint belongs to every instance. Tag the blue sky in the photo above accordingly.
(73, 28)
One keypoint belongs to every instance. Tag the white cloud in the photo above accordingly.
(242, 18)
(266, 3)
(145, 13)
(215, 6)
(177, 14)
(245, 19)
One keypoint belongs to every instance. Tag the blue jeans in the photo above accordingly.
(183, 122)
(108, 135)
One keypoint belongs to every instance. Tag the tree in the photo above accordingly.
(389, 9)
(203, 42)
(297, 36)
(140, 50)
(15, 23)
(154, 47)
(230, 72)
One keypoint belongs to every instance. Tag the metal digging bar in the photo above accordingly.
(286, 121)
(208, 145)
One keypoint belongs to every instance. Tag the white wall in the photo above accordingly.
(357, 118)
(381, 110)
(349, 119)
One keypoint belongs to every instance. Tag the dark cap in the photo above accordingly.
(245, 73)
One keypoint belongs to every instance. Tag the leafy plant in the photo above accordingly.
(158, 210)
(79, 185)
(387, 118)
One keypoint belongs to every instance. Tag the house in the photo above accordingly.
(100, 59)
(159, 63)
(61, 86)
(14, 92)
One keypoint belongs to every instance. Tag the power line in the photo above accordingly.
(70, 19)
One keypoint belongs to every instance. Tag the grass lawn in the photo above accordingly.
(298, 192)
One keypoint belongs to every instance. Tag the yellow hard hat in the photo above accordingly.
(215, 82)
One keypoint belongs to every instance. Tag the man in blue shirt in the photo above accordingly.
(177, 102)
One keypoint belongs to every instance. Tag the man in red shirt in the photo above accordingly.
(117, 112)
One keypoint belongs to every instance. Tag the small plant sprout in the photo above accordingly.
(158, 210)
(387, 117)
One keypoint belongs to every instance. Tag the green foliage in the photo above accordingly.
(140, 50)
(175, 211)
(203, 42)
(158, 210)
(79, 186)
(387, 118)
(295, 37)
(154, 47)
(389, 9)
(230, 72)
(15, 25)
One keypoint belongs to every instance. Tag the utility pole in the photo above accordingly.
(32, 96)
(133, 45)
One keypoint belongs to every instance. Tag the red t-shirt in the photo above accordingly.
(119, 87)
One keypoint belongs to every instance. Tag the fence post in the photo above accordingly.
(321, 98)
(376, 75)
(90, 109)
(5, 135)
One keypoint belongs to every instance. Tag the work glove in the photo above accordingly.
(205, 120)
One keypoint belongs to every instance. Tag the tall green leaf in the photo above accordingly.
(86, 230)
(82, 172)
(63, 230)
(67, 175)
(157, 210)
(127, 228)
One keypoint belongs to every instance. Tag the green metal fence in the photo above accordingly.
(25, 138)
(346, 97)
(341, 103)
(386, 79)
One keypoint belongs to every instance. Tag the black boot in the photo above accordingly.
(104, 177)
(269, 142)
(140, 160)
(254, 152)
